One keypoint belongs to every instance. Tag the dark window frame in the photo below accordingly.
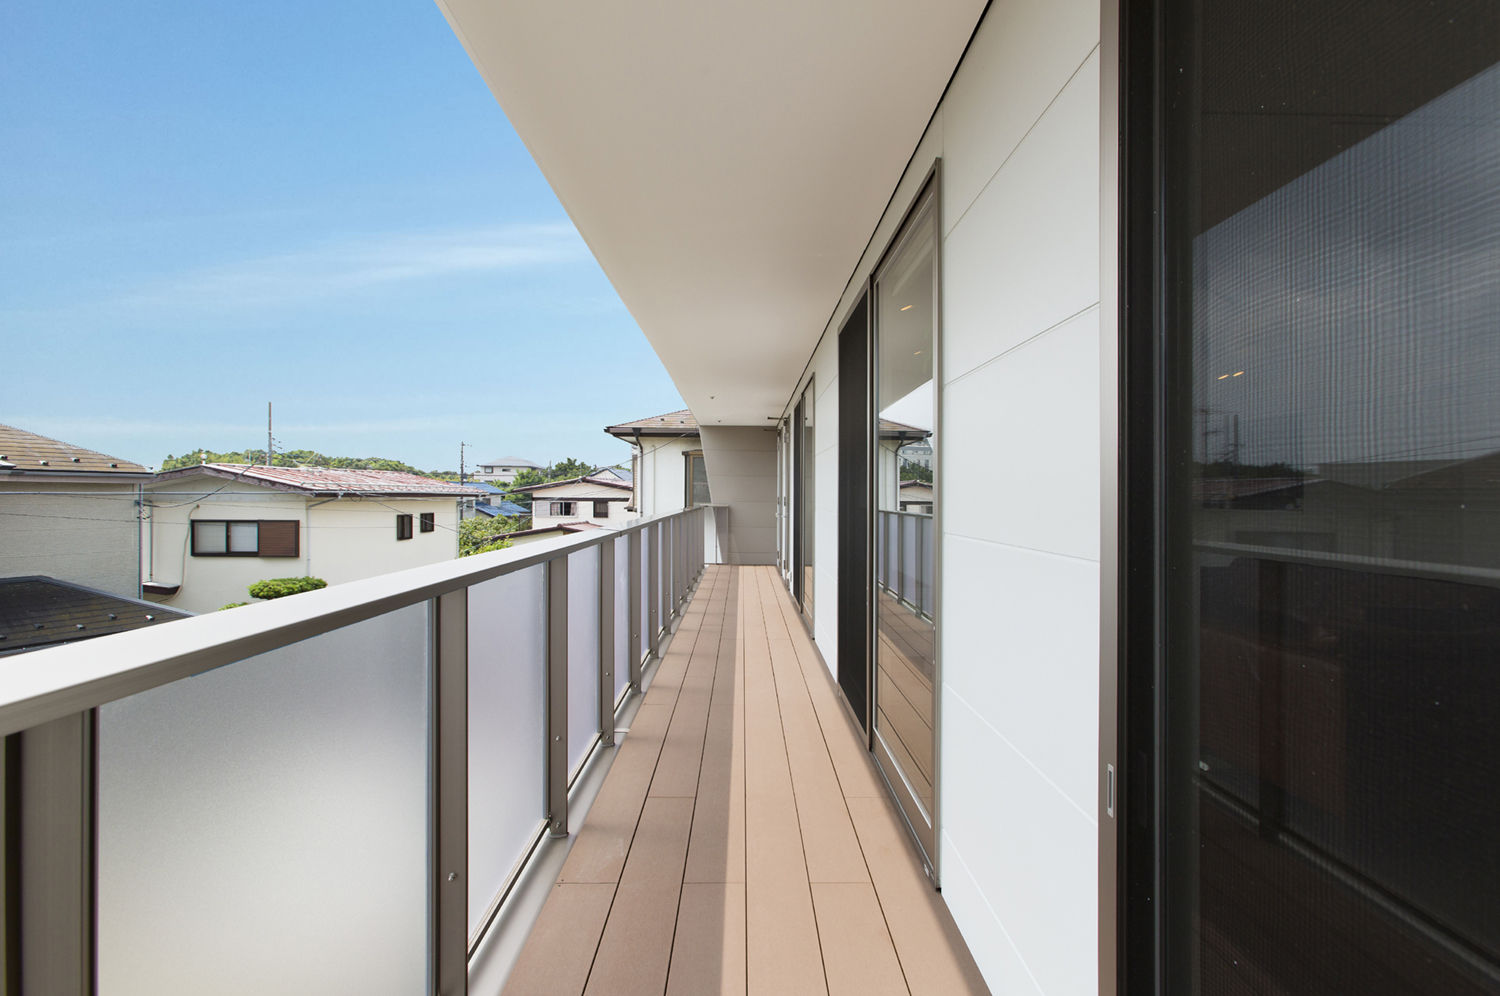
(403, 526)
(427, 523)
(601, 508)
(194, 524)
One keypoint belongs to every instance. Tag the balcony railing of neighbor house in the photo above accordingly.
(327, 793)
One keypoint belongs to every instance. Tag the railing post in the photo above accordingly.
(607, 643)
(637, 592)
(653, 590)
(557, 697)
(50, 768)
(450, 629)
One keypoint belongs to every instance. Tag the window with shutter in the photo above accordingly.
(279, 538)
(403, 526)
(428, 522)
(601, 509)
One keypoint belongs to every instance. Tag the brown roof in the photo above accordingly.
(604, 482)
(40, 611)
(671, 424)
(328, 480)
(26, 451)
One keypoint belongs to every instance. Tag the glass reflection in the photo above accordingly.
(1338, 634)
(905, 556)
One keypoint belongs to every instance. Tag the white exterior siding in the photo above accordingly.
(583, 497)
(88, 536)
(341, 540)
(662, 474)
(1018, 484)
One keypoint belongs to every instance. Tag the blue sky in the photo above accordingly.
(210, 206)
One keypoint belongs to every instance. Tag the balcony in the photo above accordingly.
(353, 790)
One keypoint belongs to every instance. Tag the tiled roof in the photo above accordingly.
(485, 487)
(606, 482)
(505, 508)
(671, 424)
(38, 612)
(328, 480)
(26, 451)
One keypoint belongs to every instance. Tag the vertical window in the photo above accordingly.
(697, 479)
(428, 522)
(1327, 473)
(403, 526)
(905, 420)
(601, 509)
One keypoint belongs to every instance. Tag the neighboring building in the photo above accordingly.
(556, 531)
(916, 496)
(602, 500)
(213, 530)
(40, 612)
(69, 513)
(504, 469)
(501, 509)
(665, 454)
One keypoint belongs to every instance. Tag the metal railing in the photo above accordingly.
(905, 557)
(332, 792)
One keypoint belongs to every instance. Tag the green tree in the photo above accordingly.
(567, 469)
(482, 535)
(915, 472)
(286, 458)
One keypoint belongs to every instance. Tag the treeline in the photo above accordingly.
(287, 458)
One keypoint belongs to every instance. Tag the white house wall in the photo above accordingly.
(355, 538)
(87, 535)
(1018, 488)
(339, 541)
(741, 465)
(663, 473)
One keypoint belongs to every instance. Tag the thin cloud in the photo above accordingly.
(350, 266)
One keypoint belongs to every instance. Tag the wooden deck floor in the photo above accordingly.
(742, 841)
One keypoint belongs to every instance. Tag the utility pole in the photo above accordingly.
(268, 434)
(461, 477)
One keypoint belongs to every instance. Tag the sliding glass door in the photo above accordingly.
(1323, 707)
(905, 541)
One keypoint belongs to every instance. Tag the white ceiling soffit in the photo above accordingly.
(726, 163)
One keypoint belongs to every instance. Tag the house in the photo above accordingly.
(503, 470)
(69, 513)
(38, 612)
(212, 530)
(1109, 720)
(502, 509)
(598, 499)
(665, 455)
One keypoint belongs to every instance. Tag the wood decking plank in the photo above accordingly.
(708, 953)
(570, 924)
(857, 949)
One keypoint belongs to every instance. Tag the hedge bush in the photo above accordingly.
(281, 587)
(232, 605)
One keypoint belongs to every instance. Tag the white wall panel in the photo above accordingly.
(1032, 852)
(1026, 256)
(981, 132)
(1025, 647)
(1023, 446)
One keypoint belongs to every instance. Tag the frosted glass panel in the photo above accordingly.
(263, 826)
(507, 736)
(583, 654)
(622, 615)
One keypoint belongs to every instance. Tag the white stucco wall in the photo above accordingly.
(77, 531)
(663, 473)
(1018, 135)
(342, 540)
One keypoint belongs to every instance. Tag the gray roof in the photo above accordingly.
(509, 462)
(40, 611)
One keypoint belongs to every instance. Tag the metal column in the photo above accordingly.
(557, 697)
(607, 643)
(450, 902)
(633, 582)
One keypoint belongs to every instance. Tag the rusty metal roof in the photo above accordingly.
(28, 452)
(328, 480)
